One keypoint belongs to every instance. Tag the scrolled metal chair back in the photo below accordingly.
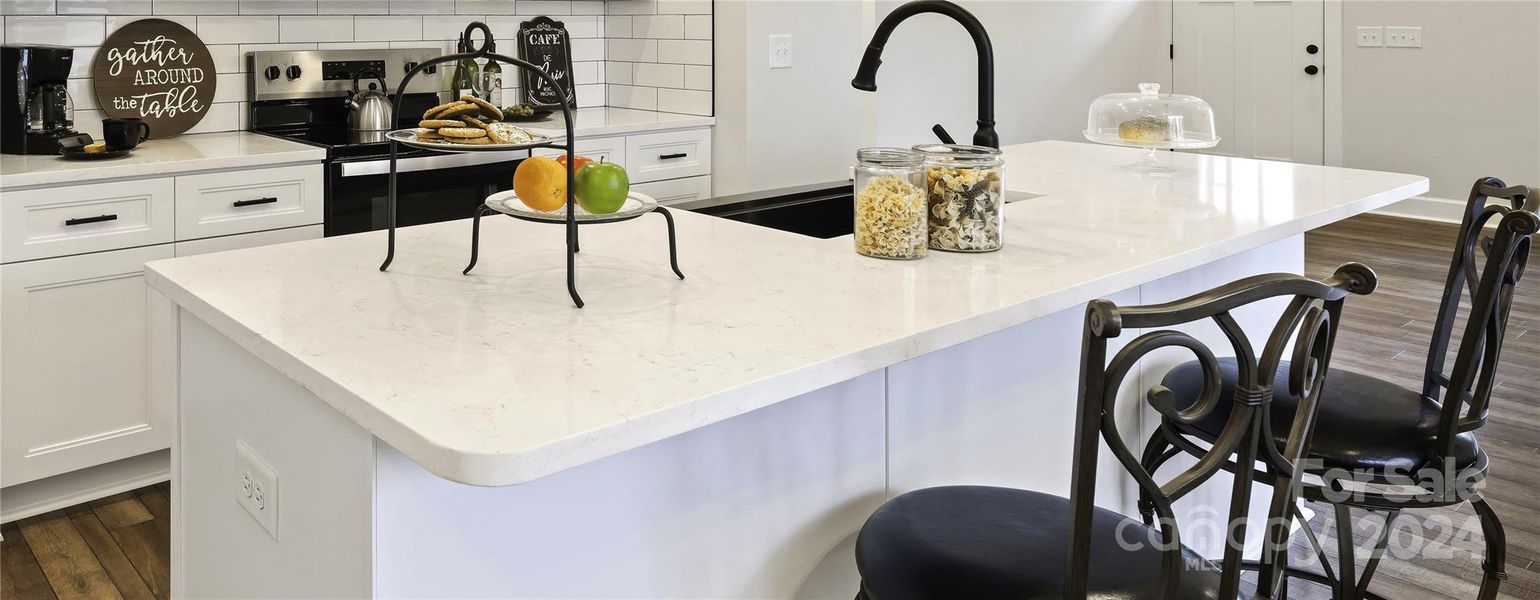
(1488, 283)
(1310, 321)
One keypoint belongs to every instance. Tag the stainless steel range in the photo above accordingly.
(302, 96)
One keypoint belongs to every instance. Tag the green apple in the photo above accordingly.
(601, 187)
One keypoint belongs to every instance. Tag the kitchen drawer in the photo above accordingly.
(610, 149)
(668, 155)
(249, 240)
(76, 219)
(677, 190)
(243, 201)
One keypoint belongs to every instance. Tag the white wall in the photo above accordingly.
(1465, 105)
(785, 127)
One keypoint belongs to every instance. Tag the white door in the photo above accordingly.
(79, 356)
(1252, 61)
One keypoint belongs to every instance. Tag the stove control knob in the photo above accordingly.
(270, 73)
(293, 72)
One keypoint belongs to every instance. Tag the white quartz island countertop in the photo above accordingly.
(496, 379)
(181, 154)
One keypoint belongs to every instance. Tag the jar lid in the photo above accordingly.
(959, 153)
(889, 156)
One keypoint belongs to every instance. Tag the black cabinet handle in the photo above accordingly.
(240, 203)
(672, 156)
(84, 220)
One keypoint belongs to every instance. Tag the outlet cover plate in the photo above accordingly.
(1371, 36)
(1403, 37)
(780, 51)
(256, 485)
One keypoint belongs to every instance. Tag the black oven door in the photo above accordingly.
(430, 188)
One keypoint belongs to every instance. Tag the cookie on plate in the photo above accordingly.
(486, 108)
(460, 108)
(429, 134)
(474, 140)
(437, 123)
(434, 112)
(462, 133)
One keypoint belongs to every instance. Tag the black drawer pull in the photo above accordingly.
(672, 156)
(240, 203)
(84, 220)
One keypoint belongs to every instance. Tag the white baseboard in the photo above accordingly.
(53, 493)
(1427, 208)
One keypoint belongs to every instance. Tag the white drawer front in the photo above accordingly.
(85, 218)
(249, 240)
(609, 149)
(668, 155)
(677, 190)
(243, 201)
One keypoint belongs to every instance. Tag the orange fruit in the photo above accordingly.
(541, 183)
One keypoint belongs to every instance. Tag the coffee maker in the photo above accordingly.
(36, 111)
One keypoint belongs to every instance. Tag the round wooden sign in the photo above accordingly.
(156, 70)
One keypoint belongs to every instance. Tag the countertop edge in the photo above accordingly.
(502, 469)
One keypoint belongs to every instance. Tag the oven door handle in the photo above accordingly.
(429, 163)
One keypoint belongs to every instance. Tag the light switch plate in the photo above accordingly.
(1371, 37)
(780, 51)
(256, 488)
(1403, 37)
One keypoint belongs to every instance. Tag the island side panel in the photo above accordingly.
(325, 467)
(764, 505)
(999, 410)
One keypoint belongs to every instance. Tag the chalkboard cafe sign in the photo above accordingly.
(545, 44)
(156, 70)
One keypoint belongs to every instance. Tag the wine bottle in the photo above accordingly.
(492, 79)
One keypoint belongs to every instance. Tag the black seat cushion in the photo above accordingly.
(1361, 422)
(982, 542)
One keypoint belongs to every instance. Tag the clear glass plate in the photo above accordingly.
(508, 203)
(409, 137)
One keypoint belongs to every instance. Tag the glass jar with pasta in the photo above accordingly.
(890, 219)
(963, 193)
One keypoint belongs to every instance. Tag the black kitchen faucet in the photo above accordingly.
(866, 75)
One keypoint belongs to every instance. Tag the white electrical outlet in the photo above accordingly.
(1403, 37)
(257, 488)
(780, 51)
(1371, 37)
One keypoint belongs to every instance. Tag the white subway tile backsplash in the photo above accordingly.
(54, 30)
(697, 27)
(588, 49)
(697, 77)
(117, 22)
(27, 7)
(487, 7)
(617, 26)
(329, 28)
(238, 30)
(658, 26)
(195, 7)
(422, 7)
(632, 50)
(102, 7)
(684, 7)
(684, 101)
(626, 96)
(545, 7)
(689, 52)
(644, 54)
(387, 28)
(353, 7)
(618, 72)
(631, 7)
(658, 75)
(278, 7)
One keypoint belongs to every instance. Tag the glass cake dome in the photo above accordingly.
(1151, 120)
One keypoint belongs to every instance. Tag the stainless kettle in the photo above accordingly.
(369, 109)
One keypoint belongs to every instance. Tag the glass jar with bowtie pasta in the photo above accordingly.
(890, 203)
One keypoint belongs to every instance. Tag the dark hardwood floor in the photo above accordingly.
(119, 547)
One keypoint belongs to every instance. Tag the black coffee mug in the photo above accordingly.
(123, 133)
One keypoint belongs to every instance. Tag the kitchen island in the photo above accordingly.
(433, 434)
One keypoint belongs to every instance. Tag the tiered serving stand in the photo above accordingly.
(505, 202)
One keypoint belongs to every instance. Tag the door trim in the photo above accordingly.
(1332, 41)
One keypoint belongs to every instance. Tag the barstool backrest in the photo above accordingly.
(1313, 312)
(1489, 283)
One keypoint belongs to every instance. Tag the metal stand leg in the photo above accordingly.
(1495, 565)
(673, 250)
(475, 237)
(572, 241)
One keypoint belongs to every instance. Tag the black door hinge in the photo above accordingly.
(1173, 51)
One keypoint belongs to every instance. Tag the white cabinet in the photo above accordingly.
(668, 155)
(85, 218)
(674, 191)
(80, 376)
(607, 149)
(214, 204)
